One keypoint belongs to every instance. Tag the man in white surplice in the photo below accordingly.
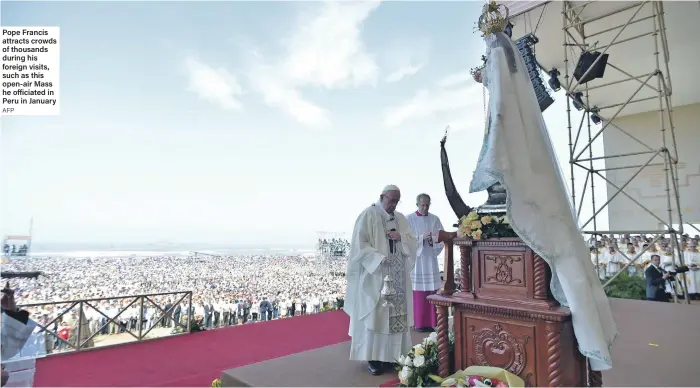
(425, 276)
(382, 245)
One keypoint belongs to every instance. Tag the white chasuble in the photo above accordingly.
(379, 332)
(632, 269)
(426, 273)
(598, 260)
(615, 262)
(693, 276)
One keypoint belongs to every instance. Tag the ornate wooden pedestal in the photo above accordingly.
(505, 316)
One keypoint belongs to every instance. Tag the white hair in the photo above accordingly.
(389, 188)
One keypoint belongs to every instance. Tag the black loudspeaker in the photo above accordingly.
(585, 62)
(525, 45)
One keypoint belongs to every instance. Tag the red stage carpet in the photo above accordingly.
(391, 383)
(191, 360)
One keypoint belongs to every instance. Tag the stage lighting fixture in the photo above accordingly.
(578, 100)
(554, 80)
(524, 44)
(585, 62)
(594, 116)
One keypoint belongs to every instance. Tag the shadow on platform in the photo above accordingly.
(324, 367)
(656, 347)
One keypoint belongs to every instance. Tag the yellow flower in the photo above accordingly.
(473, 216)
(420, 351)
(486, 220)
(475, 225)
(476, 235)
(464, 229)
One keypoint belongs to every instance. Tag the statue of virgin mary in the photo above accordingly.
(517, 154)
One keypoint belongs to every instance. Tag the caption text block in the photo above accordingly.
(30, 71)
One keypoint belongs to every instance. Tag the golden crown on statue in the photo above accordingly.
(494, 18)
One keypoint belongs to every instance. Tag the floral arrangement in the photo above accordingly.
(482, 226)
(420, 366)
(472, 381)
(481, 376)
(216, 383)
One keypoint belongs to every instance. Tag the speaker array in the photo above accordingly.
(525, 46)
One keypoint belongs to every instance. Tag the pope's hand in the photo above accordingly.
(427, 236)
(394, 236)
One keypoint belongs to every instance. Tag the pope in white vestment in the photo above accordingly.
(382, 245)
(425, 276)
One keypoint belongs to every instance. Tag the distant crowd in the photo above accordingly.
(227, 290)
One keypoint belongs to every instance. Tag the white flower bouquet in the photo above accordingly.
(419, 367)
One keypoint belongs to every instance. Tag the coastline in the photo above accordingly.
(151, 252)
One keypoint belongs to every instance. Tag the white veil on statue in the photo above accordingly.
(518, 153)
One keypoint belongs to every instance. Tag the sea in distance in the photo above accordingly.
(79, 250)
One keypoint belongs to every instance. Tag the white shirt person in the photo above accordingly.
(425, 276)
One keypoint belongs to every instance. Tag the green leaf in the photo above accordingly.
(626, 287)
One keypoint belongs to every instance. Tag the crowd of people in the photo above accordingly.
(226, 290)
(611, 254)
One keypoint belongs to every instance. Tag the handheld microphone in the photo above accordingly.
(391, 242)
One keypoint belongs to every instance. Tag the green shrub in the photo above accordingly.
(626, 287)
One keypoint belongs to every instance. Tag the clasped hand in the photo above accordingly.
(394, 236)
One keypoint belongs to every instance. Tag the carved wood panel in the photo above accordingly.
(503, 273)
(500, 343)
(504, 270)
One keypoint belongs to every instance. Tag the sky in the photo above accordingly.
(244, 123)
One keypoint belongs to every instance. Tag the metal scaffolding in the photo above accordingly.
(327, 250)
(578, 39)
